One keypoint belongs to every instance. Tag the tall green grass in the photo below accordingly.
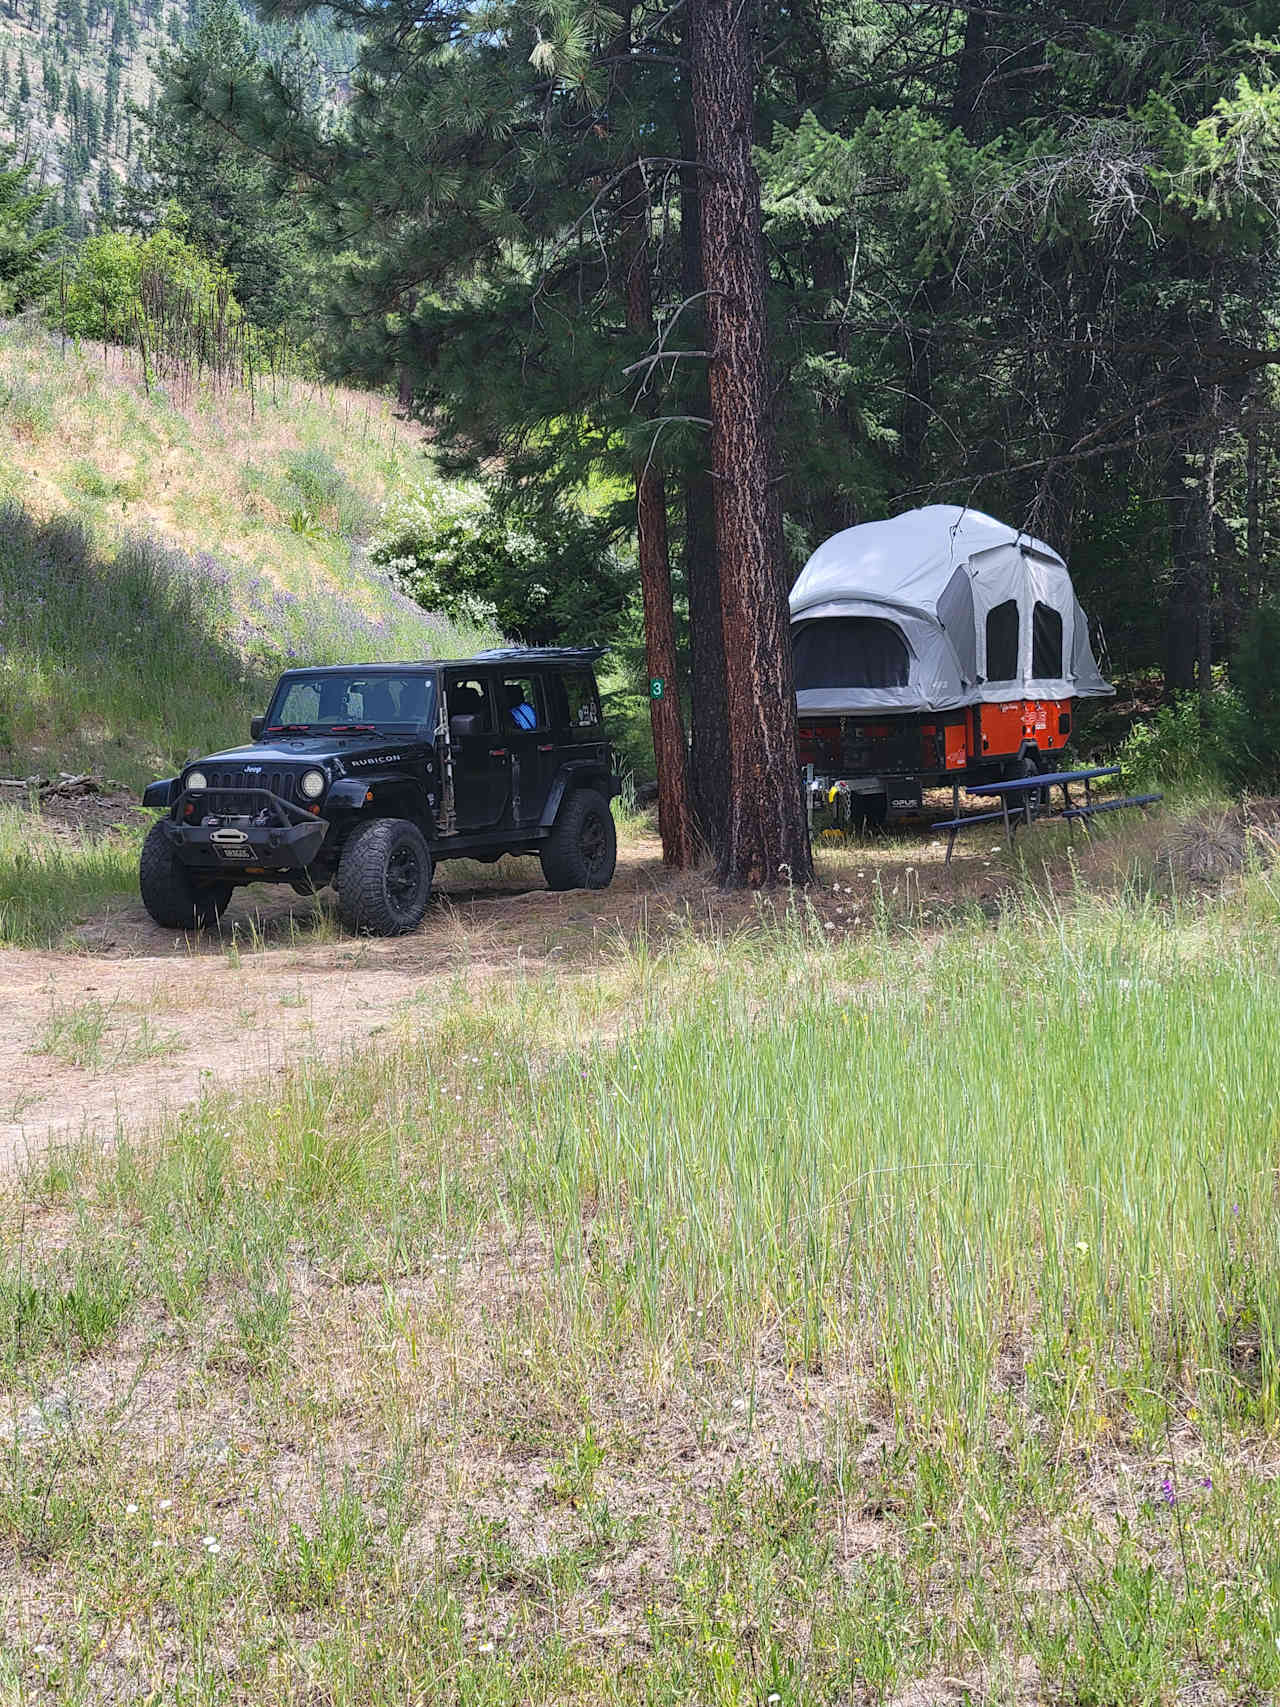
(1053, 1142)
(50, 883)
(760, 1317)
(1060, 1141)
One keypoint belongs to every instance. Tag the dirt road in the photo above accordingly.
(145, 1020)
(141, 1020)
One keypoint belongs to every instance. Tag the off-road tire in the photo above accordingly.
(384, 878)
(170, 893)
(1031, 764)
(582, 849)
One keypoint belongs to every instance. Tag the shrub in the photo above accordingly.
(1232, 738)
(545, 574)
(1192, 744)
(324, 493)
(105, 292)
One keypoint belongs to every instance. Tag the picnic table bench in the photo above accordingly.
(1028, 792)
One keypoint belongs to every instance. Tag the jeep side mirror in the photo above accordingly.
(256, 726)
(464, 724)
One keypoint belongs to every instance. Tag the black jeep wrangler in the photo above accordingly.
(363, 775)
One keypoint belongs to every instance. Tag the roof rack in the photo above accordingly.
(543, 654)
(495, 655)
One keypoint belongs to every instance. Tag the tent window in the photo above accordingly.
(1046, 643)
(1002, 642)
(850, 652)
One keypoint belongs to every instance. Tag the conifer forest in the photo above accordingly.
(734, 280)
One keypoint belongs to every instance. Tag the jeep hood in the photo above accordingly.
(297, 749)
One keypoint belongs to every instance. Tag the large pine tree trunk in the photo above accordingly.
(1253, 583)
(1192, 476)
(938, 289)
(671, 754)
(709, 752)
(1053, 510)
(766, 832)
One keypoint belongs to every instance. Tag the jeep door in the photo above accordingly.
(526, 726)
(481, 757)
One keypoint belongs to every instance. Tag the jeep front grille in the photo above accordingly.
(225, 796)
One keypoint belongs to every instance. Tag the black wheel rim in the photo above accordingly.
(595, 843)
(404, 877)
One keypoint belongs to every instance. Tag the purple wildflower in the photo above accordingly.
(1166, 1488)
(1207, 1482)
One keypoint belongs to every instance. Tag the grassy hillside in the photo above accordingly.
(158, 565)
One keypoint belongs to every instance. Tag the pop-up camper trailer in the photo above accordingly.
(938, 647)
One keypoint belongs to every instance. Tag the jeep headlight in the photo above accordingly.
(312, 784)
(197, 780)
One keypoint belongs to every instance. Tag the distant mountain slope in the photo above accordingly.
(158, 566)
(71, 70)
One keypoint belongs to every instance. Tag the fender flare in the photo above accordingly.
(395, 795)
(160, 796)
(581, 773)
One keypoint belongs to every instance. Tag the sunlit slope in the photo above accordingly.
(159, 564)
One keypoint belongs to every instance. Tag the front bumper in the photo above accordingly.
(277, 837)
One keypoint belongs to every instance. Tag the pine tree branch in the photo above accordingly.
(649, 362)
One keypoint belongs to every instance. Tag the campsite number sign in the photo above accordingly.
(657, 687)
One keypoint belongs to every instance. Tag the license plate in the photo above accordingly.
(236, 852)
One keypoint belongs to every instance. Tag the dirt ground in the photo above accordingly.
(174, 1016)
(93, 811)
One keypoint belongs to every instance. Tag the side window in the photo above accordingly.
(521, 702)
(1002, 642)
(582, 700)
(469, 697)
(1046, 643)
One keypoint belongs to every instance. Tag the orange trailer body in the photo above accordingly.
(971, 744)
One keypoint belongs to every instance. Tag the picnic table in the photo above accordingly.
(1029, 793)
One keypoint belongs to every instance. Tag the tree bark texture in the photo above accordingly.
(1192, 487)
(938, 289)
(670, 751)
(1053, 509)
(1193, 498)
(766, 833)
(709, 749)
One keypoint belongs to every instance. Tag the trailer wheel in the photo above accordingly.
(1031, 764)
(868, 811)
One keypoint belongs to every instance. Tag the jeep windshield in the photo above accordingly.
(339, 702)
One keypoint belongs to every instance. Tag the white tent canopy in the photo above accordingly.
(938, 608)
